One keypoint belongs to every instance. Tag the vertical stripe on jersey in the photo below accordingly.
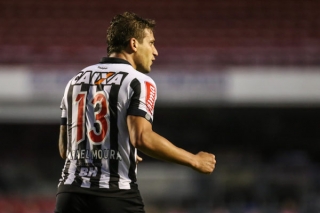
(136, 86)
(114, 131)
(113, 163)
(96, 162)
(69, 121)
(69, 131)
(82, 145)
(133, 164)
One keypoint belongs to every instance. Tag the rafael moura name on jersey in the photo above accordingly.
(94, 154)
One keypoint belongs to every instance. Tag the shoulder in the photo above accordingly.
(144, 77)
(134, 76)
(142, 82)
(91, 68)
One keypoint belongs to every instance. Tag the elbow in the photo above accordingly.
(63, 153)
(63, 156)
(140, 145)
(139, 141)
(140, 132)
(63, 142)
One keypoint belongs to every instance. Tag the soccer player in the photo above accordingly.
(107, 114)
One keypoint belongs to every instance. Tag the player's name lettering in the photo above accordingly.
(94, 154)
(96, 78)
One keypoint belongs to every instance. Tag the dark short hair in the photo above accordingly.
(125, 26)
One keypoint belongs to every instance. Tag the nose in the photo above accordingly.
(155, 51)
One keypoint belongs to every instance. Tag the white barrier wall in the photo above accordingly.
(35, 95)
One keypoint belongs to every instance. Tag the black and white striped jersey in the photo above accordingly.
(95, 104)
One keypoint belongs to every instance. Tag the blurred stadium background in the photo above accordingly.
(239, 78)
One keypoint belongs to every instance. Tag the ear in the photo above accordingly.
(134, 44)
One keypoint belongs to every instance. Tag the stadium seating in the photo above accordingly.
(213, 33)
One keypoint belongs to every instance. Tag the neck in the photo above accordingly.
(125, 56)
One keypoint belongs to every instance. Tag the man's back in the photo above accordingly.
(96, 103)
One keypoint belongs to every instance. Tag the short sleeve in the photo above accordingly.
(144, 96)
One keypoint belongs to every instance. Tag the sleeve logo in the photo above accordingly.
(151, 94)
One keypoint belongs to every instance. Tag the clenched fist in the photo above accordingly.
(204, 162)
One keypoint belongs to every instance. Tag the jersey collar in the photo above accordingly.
(108, 60)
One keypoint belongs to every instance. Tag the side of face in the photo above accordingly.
(145, 52)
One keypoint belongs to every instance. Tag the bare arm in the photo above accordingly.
(63, 141)
(147, 141)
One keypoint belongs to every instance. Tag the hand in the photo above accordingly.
(205, 162)
(139, 159)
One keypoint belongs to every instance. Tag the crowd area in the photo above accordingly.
(240, 184)
(38, 204)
